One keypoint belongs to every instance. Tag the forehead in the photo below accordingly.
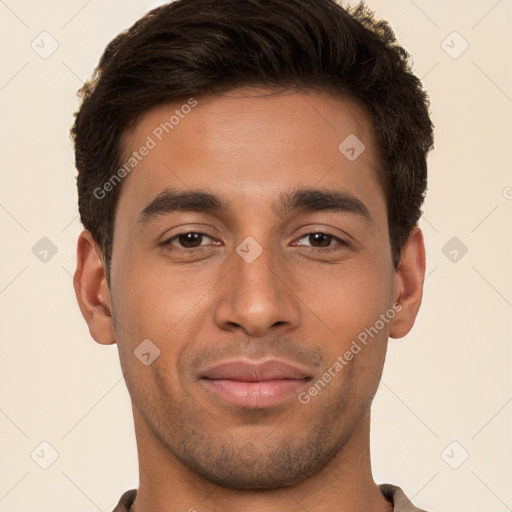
(251, 145)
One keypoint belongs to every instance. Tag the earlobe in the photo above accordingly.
(92, 291)
(409, 279)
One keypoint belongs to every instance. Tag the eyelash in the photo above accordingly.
(167, 243)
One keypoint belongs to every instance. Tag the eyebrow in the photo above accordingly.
(303, 200)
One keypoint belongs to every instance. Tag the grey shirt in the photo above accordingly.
(392, 493)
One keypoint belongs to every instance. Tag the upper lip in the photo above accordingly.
(246, 371)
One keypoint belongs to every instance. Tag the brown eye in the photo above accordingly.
(190, 239)
(319, 240)
(187, 240)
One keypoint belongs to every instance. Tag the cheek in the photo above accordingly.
(349, 297)
(148, 292)
(165, 305)
(350, 331)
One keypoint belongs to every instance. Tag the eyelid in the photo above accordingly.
(168, 240)
(341, 241)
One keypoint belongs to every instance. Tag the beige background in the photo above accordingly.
(449, 380)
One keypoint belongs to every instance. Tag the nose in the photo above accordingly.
(257, 296)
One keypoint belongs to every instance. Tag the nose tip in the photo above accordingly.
(255, 297)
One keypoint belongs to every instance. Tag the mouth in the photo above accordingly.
(255, 386)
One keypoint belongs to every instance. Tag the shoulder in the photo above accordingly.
(397, 497)
(126, 501)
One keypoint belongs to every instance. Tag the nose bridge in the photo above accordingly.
(257, 295)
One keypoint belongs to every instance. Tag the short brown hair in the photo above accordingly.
(190, 48)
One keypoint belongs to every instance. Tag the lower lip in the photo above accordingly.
(255, 395)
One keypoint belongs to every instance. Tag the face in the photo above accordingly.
(255, 288)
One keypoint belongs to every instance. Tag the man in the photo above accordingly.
(250, 176)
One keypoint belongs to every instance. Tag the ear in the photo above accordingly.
(408, 289)
(92, 291)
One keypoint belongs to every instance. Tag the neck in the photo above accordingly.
(345, 484)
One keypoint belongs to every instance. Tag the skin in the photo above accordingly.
(295, 302)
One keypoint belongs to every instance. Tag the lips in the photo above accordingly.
(251, 372)
(254, 385)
